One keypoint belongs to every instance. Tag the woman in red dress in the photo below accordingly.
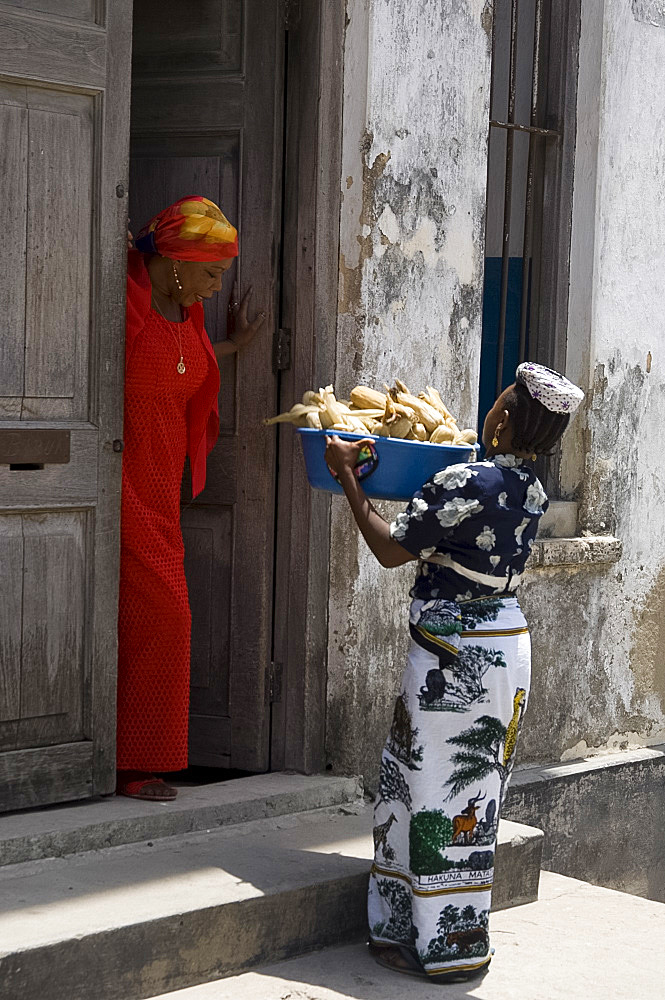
(171, 386)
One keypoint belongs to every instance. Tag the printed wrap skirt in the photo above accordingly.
(444, 773)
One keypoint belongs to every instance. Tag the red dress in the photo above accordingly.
(161, 407)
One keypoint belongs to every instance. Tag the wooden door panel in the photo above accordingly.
(57, 271)
(192, 159)
(44, 48)
(54, 567)
(81, 10)
(210, 741)
(59, 485)
(44, 583)
(222, 477)
(187, 102)
(64, 116)
(11, 592)
(211, 126)
(13, 164)
(208, 535)
(213, 38)
(45, 348)
(47, 774)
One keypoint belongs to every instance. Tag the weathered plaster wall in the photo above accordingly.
(415, 105)
(416, 93)
(599, 634)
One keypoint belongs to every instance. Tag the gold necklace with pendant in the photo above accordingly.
(181, 364)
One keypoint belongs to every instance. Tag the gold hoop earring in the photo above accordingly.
(495, 441)
(534, 457)
(175, 275)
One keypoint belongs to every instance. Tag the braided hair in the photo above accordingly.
(535, 428)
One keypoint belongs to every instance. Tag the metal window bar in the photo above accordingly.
(537, 134)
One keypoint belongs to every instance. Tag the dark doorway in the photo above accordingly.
(207, 118)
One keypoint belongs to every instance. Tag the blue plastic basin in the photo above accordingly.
(403, 465)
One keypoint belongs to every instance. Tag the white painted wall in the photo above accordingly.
(600, 672)
(413, 180)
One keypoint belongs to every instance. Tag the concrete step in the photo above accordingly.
(139, 919)
(76, 827)
(578, 942)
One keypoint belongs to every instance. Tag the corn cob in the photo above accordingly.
(354, 424)
(426, 414)
(418, 433)
(406, 411)
(400, 428)
(367, 399)
(334, 411)
(434, 398)
(442, 435)
(292, 416)
(396, 413)
(368, 417)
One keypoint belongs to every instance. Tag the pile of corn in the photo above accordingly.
(393, 413)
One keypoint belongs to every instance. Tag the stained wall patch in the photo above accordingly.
(650, 12)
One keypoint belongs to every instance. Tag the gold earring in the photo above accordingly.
(534, 457)
(175, 275)
(495, 441)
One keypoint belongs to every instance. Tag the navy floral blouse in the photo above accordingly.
(473, 527)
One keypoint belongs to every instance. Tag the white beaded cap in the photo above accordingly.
(554, 391)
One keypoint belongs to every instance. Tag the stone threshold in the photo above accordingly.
(72, 828)
(132, 921)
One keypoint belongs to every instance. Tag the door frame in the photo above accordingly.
(310, 254)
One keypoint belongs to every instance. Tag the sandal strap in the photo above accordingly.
(136, 787)
(411, 960)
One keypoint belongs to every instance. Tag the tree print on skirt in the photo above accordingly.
(444, 774)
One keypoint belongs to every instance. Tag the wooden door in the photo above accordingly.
(207, 119)
(64, 121)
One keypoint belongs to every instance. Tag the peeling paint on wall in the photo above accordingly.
(412, 246)
(616, 743)
(416, 105)
(486, 19)
(650, 12)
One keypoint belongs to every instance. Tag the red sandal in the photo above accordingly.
(134, 789)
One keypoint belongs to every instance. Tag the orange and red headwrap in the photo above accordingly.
(190, 229)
